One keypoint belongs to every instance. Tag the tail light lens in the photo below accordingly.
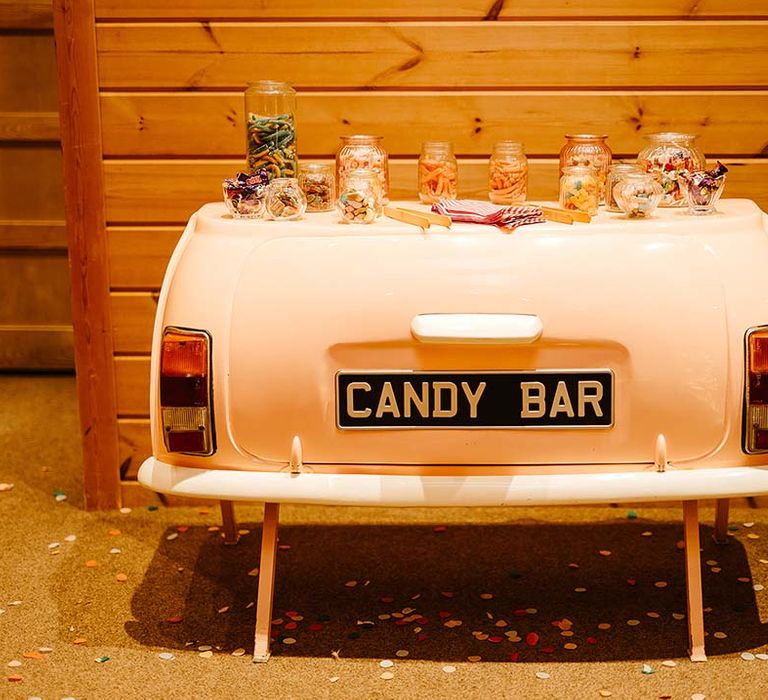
(756, 392)
(185, 391)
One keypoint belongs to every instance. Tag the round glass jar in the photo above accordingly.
(590, 150)
(318, 182)
(615, 173)
(637, 194)
(366, 153)
(285, 200)
(579, 189)
(360, 198)
(667, 156)
(508, 173)
(438, 172)
(270, 128)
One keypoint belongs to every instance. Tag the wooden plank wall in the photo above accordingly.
(171, 76)
(35, 319)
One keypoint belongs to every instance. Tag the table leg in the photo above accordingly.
(693, 581)
(266, 582)
(229, 522)
(721, 521)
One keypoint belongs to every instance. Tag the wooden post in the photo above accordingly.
(75, 34)
(267, 567)
(693, 581)
(720, 535)
(229, 522)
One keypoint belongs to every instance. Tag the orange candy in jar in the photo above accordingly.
(589, 150)
(363, 152)
(438, 172)
(508, 173)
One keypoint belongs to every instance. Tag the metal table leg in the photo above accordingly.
(693, 581)
(266, 582)
(229, 522)
(721, 521)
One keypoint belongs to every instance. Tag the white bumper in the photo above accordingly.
(389, 490)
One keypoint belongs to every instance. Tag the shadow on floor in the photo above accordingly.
(524, 565)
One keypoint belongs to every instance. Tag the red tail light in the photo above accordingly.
(756, 392)
(185, 391)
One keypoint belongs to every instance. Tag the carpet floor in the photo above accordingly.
(457, 603)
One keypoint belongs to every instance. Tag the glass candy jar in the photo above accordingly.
(615, 173)
(579, 189)
(637, 194)
(703, 188)
(508, 173)
(667, 156)
(318, 182)
(245, 194)
(270, 128)
(360, 197)
(589, 150)
(363, 152)
(285, 200)
(438, 172)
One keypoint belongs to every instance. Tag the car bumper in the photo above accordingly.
(402, 490)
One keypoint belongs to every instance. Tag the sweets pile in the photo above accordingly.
(245, 193)
(704, 186)
(437, 178)
(272, 144)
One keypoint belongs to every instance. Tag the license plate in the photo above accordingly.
(511, 399)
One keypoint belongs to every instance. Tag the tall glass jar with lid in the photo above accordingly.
(438, 172)
(508, 173)
(589, 150)
(667, 156)
(366, 152)
(270, 128)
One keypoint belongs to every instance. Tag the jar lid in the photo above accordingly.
(270, 86)
(671, 136)
(586, 137)
(316, 167)
(508, 146)
(361, 139)
(437, 145)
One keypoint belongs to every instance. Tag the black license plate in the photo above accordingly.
(540, 399)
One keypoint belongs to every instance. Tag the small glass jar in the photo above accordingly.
(615, 173)
(638, 194)
(318, 182)
(285, 200)
(245, 194)
(508, 173)
(579, 189)
(438, 172)
(590, 150)
(360, 199)
(667, 156)
(703, 188)
(270, 128)
(363, 152)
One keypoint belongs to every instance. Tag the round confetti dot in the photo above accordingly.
(542, 675)
(474, 659)
(204, 647)
(747, 656)
(669, 663)
(566, 633)
(91, 563)
(115, 550)
(678, 616)
(14, 664)
(743, 579)
(720, 635)
(531, 611)
(125, 510)
(605, 552)
(402, 653)
(661, 584)
(647, 533)
(633, 623)
(387, 663)
(698, 696)
(604, 626)
(289, 640)
(647, 669)
(172, 536)
(753, 536)
(350, 584)
(238, 652)
(711, 562)
(387, 676)
(205, 654)
(334, 679)
(70, 538)
(580, 589)
(748, 524)
(715, 569)
(758, 587)
(122, 578)
(486, 596)
(449, 669)
(762, 657)
(166, 656)
(573, 565)
(605, 693)
(570, 646)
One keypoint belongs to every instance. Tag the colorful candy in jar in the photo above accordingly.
(317, 180)
(638, 194)
(703, 188)
(360, 198)
(579, 189)
(272, 144)
(615, 173)
(668, 156)
(438, 172)
(589, 150)
(363, 152)
(285, 200)
(508, 173)
(245, 194)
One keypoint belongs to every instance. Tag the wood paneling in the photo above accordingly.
(33, 235)
(425, 9)
(211, 124)
(27, 72)
(460, 54)
(133, 315)
(31, 182)
(138, 256)
(29, 126)
(30, 347)
(26, 14)
(35, 288)
(132, 386)
(170, 191)
(135, 445)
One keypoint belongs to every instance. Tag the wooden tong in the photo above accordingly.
(422, 219)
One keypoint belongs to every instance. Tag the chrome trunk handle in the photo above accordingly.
(502, 329)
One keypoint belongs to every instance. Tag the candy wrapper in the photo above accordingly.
(703, 188)
(244, 194)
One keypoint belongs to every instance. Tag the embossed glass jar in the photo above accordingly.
(508, 173)
(579, 189)
(438, 172)
(588, 150)
(270, 128)
(285, 200)
(318, 182)
(360, 197)
(637, 194)
(667, 156)
(363, 152)
(615, 173)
